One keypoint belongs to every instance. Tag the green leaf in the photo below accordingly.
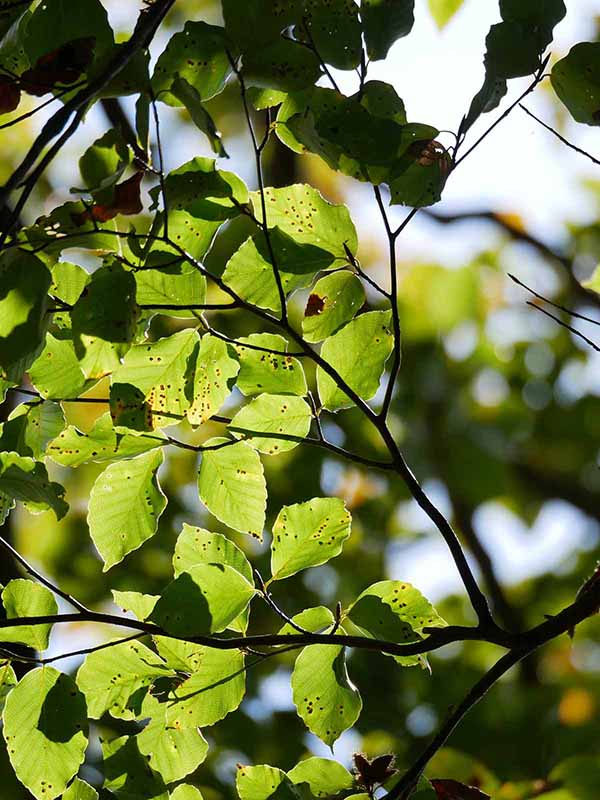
(72, 447)
(80, 790)
(24, 283)
(418, 178)
(126, 502)
(185, 792)
(171, 751)
(45, 728)
(26, 480)
(127, 774)
(308, 534)
(24, 598)
(301, 212)
(283, 65)
(30, 427)
(358, 352)
(261, 371)
(335, 31)
(232, 486)
(442, 11)
(333, 302)
(315, 620)
(162, 282)
(275, 414)
(139, 604)
(68, 282)
(203, 600)
(265, 98)
(192, 100)
(108, 678)
(249, 272)
(104, 320)
(261, 782)
(199, 55)
(326, 700)
(576, 81)
(394, 611)
(203, 191)
(162, 372)
(215, 688)
(384, 21)
(199, 546)
(56, 373)
(215, 371)
(56, 22)
(104, 162)
(8, 680)
(324, 776)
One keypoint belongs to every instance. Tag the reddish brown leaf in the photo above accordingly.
(314, 306)
(126, 200)
(65, 65)
(372, 772)
(10, 94)
(448, 789)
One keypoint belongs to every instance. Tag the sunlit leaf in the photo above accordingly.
(261, 782)
(308, 534)
(358, 352)
(323, 776)
(26, 480)
(57, 373)
(214, 375)
(126, 502)
(108, 678)
(262, 371)
(232, 486)
(45, 728)
(203, 600)
(326, 700)
(171, 751)
(80, 790)
(30, 427)
(24, 598)
(127, 774)
(276, 416)
(334, 300)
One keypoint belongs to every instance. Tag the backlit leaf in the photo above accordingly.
(26, 480)
(262, 371)
(323, 776)
(232, 486)
(334, 300)
(45, 728)
(126, 502)
(358, 352)
(308, 534)
(214, 375)
(24, 598)
(275, 415)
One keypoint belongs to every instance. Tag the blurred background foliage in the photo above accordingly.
(497, 410)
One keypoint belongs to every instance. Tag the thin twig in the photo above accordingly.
(552, 303)
(565, 325)
(560, 137)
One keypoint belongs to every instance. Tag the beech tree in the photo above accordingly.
(210, 394)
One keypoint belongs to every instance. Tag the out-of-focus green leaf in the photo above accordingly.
(443, 10)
